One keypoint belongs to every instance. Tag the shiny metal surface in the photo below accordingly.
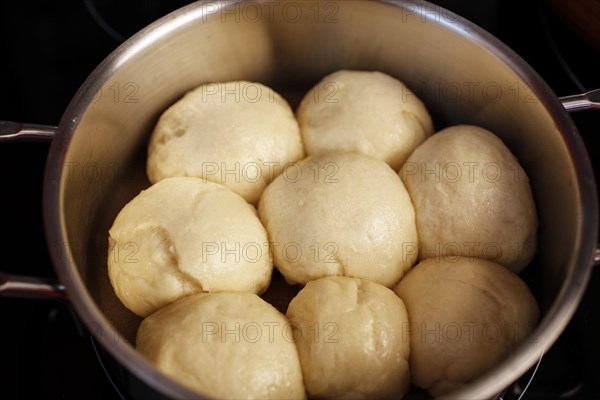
(14, 131)
(14, 285)
(464, 75)
(579, 102)
(23, 286)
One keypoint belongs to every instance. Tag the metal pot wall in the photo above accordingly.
(464, 75)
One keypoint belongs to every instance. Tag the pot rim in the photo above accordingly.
(487, 386)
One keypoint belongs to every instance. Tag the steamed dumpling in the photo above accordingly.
(471, 198)
(466, 316)
(352, 338)
(367, 112)
(224, 346)
(340, 214)
(240, 134)
(183, 236)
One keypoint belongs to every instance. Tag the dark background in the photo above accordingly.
(47, 49)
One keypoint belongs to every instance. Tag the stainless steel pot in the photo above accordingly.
(463, 74)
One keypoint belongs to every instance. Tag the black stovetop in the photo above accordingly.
(47, 49)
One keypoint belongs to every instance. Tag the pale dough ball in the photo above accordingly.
(224, 346)
(352, 338)
(340, 214)
(365, 112)
(183, 236)
(471, 198)
(466, 315)
(240, 134)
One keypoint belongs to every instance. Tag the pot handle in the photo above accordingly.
(584, 101)
(579, 102)
(17, 131)
(23, 286)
